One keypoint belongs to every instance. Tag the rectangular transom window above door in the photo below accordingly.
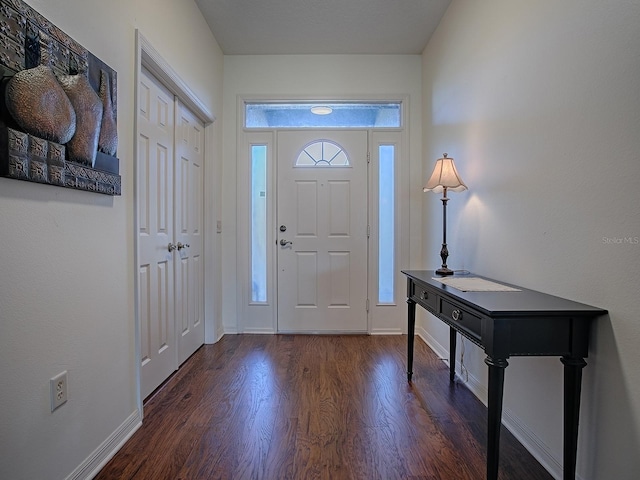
(323, 115)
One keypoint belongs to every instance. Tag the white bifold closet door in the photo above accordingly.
(170, 205)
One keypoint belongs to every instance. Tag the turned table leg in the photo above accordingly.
(410, 337)
(572, 387)
(494, 421)
(452, 353)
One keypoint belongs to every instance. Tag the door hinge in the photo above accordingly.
(368, 157)
(367, 305)
(368, 231)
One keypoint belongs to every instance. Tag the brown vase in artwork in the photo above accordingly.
(83, 145)
(108, 142)
(39, 106)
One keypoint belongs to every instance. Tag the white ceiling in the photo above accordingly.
(281, 27)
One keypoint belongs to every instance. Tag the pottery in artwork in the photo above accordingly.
(108, 142)
(39, 105)
(82, 147)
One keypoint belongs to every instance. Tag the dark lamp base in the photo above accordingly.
(444, 271)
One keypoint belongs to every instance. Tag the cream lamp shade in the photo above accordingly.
(444, 176)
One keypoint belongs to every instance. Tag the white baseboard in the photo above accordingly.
(259, 331)
(540, 451)
(105, 452)
(386, 331)
(271, 331)
(221, 334)
(532, 443)
(431, 342)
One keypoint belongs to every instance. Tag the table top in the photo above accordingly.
(524, 302)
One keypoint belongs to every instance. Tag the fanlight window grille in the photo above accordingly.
(323, 153)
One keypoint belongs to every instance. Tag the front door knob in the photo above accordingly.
(284, 243)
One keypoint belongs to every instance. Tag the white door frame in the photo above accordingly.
(149, 58)
(262, 318)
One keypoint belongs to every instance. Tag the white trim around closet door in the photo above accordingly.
(149, 58)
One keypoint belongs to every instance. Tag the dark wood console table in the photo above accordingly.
(504, 324)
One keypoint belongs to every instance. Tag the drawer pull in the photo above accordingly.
(424, 295)
(457, 315)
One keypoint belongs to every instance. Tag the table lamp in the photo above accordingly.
(444, 177)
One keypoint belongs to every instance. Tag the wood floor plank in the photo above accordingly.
(314, 407)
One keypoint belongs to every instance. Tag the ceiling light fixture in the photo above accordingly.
(321, 110)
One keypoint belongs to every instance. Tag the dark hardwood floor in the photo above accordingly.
(307, 407)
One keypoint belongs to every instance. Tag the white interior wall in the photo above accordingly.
(323, 76)
(67, 262)
(538, 102)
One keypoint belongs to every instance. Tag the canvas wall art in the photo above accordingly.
(58, 106)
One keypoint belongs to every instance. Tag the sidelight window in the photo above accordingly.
(259, 223)
(386, 222)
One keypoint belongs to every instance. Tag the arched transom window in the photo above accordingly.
(322, 153)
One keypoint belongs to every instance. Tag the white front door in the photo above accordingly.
(155, 233)
(322, 231)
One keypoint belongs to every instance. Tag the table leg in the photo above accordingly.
(572, 387)
(452, 353)
(410, 336)
(494, 422)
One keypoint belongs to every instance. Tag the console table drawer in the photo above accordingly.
(425, 297)
(462, 318)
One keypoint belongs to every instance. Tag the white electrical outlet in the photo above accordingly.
(58, 386)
